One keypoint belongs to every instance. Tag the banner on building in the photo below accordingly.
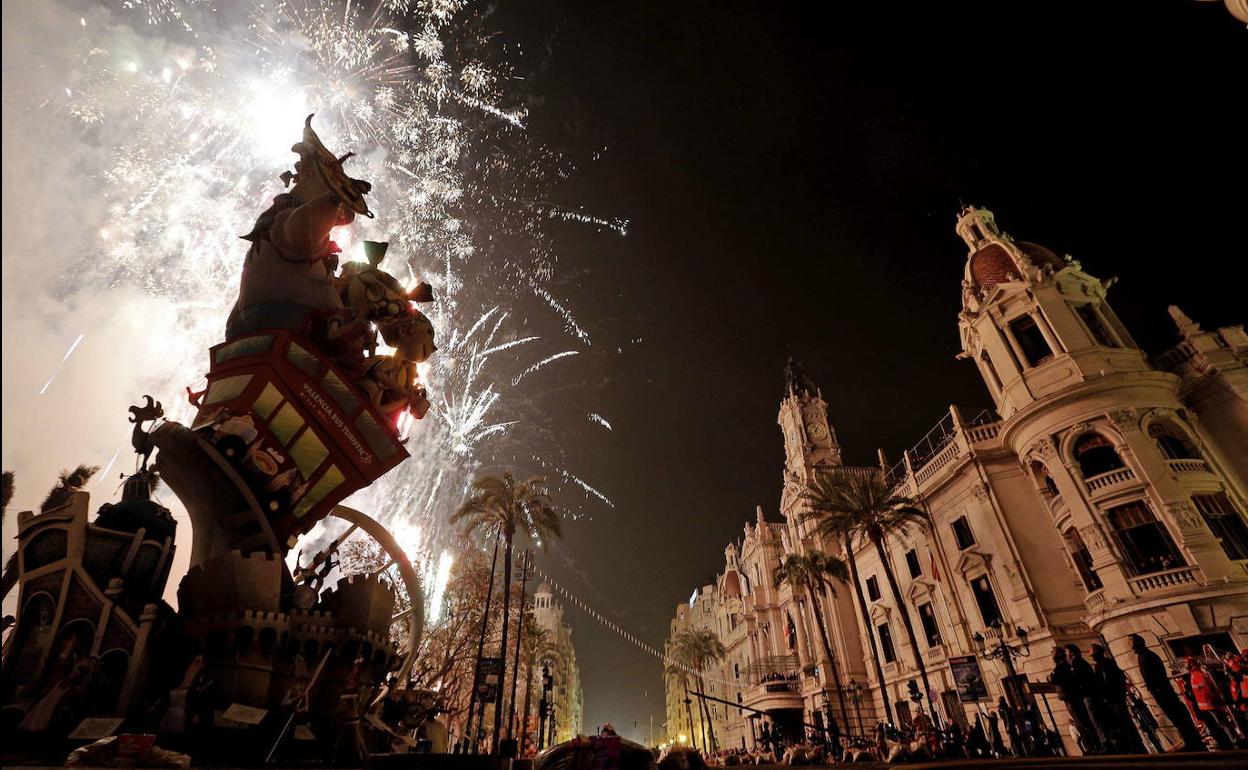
(488, 674)
(968, 678)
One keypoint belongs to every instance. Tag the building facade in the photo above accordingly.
(558, 655)
(1104, 496)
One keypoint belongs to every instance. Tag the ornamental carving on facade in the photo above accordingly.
(1043, 448)
(1124, 419)
(1185, 515)
(1079, 429)
(980, 491)
(1092, 537)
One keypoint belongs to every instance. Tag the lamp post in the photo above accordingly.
(831, 729)
(853, 689)
(916, 697)
(544, 706)
(1005, 651)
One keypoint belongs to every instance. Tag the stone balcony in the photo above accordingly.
(1181, 467)
(768, 696)
(1108, 482)
(1057, 505)
(1166, 581)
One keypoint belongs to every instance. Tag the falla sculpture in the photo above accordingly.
(300, 410)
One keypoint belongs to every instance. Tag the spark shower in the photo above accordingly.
(189, 109)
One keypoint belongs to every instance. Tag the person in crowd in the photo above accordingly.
(955, 741)
(1210, 709)
(1070, 689)
(1233, 665)
(1157, 682)
(977, 746)
(1093, 697)
(1112, 684)
(994, 733)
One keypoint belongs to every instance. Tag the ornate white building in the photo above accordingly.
(1105, 497)
(559, 656)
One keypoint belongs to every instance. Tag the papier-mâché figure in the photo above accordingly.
(290, 265)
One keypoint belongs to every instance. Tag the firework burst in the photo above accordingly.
(202, 117)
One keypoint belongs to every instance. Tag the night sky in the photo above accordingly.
(792, 174)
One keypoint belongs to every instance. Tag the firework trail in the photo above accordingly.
(60, 365)
(201, 112)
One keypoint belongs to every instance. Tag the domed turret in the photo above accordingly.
(137, 510)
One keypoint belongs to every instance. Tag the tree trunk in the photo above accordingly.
(693, 736)
(827, 650)
(866, 621)
(710, 728)
(515, 669)
(502, 648)
(470, 737)
(528, 697)
(905, 615)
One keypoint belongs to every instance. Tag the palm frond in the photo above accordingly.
(70, 482)
(6, 491)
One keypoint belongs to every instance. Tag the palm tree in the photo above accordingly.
(506, 506)
(9, 577)
(850, 505)
(699, 648)
(70, 482)
(813, 573)
(6, 491)
(678, 667)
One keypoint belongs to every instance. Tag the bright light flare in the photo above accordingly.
(443, 576)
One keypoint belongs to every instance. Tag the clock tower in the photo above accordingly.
(809, 441)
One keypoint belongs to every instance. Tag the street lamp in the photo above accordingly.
(1005, 651)
(832, 730)
(544, 706)
(853, 690)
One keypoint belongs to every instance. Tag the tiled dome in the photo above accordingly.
(1043, 256)
(992, 265)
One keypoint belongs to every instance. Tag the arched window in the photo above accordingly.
(1082, 558)
(1096, 455)
(1043, 479)
(1172, 443)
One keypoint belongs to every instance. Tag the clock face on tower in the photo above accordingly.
(816, 431)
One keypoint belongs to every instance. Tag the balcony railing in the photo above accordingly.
(1188, 466)
(948, 455)
(978, 433)
(1106, 480)
(783, 685)
(774, 669)
(1165, 580)
(1095, 601)
(1056, 504)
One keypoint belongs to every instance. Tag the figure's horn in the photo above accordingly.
(422, 292)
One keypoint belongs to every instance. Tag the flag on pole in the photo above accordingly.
(935, 570)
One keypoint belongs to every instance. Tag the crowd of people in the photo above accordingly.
(1206, 702)
(1109, 716)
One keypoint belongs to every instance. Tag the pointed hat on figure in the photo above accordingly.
(316, 159)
